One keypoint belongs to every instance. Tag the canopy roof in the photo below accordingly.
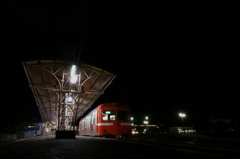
(50, 84)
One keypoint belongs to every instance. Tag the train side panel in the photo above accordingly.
(87, 125)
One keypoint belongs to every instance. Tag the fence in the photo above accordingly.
(8, 136)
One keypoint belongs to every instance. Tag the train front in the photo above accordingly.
(114, 120)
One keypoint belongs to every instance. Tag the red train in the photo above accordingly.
(109, 119)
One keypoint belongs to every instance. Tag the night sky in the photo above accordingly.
(168, 55)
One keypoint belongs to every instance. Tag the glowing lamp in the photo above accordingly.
(182, 115)
(70, 99)
(73, 70)
(73, 79)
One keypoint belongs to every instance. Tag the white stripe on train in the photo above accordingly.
(104, 124)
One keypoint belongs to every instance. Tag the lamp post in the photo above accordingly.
(182, 115)
(146, 122)
(131, 120)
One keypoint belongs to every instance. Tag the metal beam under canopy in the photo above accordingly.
(51, 87)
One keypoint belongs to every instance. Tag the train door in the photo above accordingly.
(123, 122)
(91, 124)
(84, 123)
(96, 121)
(80, 128)
(117, 128)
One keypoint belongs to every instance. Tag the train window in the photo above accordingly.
(93, 119)
(108, 115)
(88, 122)
(123, 115)
(105, 117)
(112, 117)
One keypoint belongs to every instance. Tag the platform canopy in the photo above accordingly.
(59, 98)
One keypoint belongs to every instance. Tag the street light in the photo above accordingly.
(145, 122)
(131, 120)
(182, 115)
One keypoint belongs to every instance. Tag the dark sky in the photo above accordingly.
(167, 55)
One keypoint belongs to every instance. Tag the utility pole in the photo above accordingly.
(183, 115)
